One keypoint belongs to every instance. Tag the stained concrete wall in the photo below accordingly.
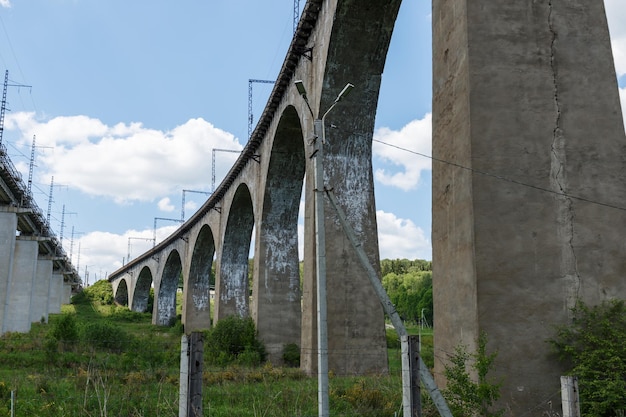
(525, 98)
(8, 226)
(350, 47)
(67, 294)
(56, 293)
(18, 305)
(41, 291)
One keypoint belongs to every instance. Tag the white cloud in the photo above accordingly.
(125, 162)
(5, 3)
(101, 252)
(401, 238)
(166, 205)
(616, 15)
(416, 137)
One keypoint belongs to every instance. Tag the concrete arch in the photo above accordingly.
(196, 309)
(233, 291)
(354, 52)
(166, 299)
(277, 306)
(121, 295)
(141, 295)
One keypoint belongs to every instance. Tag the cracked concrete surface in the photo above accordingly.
(523, 91)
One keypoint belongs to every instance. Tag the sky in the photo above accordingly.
(127, 100)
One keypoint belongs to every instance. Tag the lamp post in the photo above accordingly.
(320, 244)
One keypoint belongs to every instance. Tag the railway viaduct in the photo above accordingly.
(528, 191)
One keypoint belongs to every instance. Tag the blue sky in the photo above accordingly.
(129, 97)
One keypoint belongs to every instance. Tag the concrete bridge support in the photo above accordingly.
(8, 225)
(527, 116)
(17, 316)
(67, 294)
(41, 291)
(56, 293)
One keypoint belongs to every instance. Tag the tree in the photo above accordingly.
(593, 349)
(410, 291)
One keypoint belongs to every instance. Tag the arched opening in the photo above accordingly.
(277, 304)
(198, 291)
(121, 295)
(233, 291)
(141, 296)
(166, 299)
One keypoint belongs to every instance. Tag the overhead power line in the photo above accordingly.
(502, 178)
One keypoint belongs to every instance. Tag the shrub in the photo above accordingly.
(124, 314)
(100, 292)
(593, 348)
(230, 338)
(65, 330)
(291, 355)
(465, 396)
(106, 335)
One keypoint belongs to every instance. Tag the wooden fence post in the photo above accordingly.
(196, 357)
(414, 366)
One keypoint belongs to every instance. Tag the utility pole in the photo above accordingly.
(63, 224)
(250, 117)
(182, 210)
(32, 163)
(50, 200)
(410, 361)
(296, 14)
(136, 238)
(3, 107)
(155, 225)
(213, 164)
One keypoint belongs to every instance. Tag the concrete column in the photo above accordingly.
(56, 293)
(67, 293)
(41, 291)
(8, 226)
(17, 312)
(526, 116)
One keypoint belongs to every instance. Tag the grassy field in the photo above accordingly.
(102, 360)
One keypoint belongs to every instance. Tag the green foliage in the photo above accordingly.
(233, 340)
(593, 348)
(100, 292)
(126, 315)
(367, 398)
(465, 396)
(5, 400)
(411, 293)
(106, 335)
(65, 330)
(404, 266)
(291, 355)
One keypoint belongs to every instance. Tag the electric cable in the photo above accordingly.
(502, 178)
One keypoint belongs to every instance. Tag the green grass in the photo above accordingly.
(138, 374)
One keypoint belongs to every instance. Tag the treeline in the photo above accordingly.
(409, 284)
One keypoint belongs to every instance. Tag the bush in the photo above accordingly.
(291, 355)
(65, 330)
(100, 292)
(465, 396)
(231, 338)
(593, 348)
(106, 335)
